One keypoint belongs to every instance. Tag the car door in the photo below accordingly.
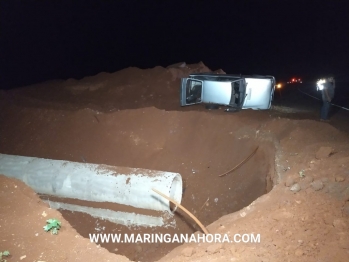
(191, 91)
(238, 94)
(259, 92)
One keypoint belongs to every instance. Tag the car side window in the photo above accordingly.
(193, 91)
(237, 93)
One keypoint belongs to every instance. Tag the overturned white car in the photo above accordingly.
(234, 91)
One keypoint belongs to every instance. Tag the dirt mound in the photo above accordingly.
(23, 216)
(129, 88)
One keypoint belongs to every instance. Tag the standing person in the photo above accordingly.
(327, 96)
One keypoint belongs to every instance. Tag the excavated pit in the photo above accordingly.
(198, 145)
(224, 194)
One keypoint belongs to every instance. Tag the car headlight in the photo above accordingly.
(278, 86)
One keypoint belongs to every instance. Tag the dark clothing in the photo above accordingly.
(325, 109)
(329, 87)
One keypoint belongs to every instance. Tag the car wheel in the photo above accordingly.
(212, 106)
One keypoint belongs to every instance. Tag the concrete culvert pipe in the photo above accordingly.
(92, 182)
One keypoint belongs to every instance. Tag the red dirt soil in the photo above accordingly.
(132, 118)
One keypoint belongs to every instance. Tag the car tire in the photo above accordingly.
(211, 106)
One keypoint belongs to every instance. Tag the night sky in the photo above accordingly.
(42, 40)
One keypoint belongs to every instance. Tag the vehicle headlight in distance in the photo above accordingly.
(320, 84)
(278, 86)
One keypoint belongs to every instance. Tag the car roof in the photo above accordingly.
(210, 76)
(226, 76)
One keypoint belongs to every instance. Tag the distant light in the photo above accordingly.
(320, 84)
(278, 86)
